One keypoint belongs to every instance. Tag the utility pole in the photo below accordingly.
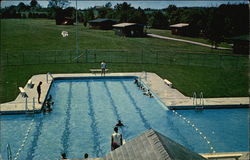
(76, 31)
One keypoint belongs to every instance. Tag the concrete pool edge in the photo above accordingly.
(170, 97)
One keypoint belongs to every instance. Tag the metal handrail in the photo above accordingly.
(145, 75)
(194, 99)
(47, 76)
(201, 99)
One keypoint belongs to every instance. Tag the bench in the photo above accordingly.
(222, 156)
(170, 84)
(94, 71)
(22, 91)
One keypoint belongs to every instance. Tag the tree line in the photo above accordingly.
(215, 23)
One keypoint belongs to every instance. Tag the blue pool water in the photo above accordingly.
(86, 110)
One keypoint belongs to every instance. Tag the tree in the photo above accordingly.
(88, 15)
(138, 16)
(21, 7)
(33, 3)
(58, 4)
(215, 27)
(108, 5)
(171, 8)
(123, 11)
(56, 9)
(158, 20)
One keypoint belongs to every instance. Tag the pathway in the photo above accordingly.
(186, 41)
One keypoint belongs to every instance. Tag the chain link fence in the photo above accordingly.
(175, 57)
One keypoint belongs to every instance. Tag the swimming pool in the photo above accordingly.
(86, 110)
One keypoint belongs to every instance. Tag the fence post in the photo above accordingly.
(39, 58)
(220, 59)
(127, 58)
(110, 57)
(23, 56)
(70, 56)
(86, 55)
(142, 56)
(157, 58)
(7, 57)
(55, 56)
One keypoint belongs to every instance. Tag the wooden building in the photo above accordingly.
(241, 44)
(102, 23)
(129, 29)
(180, 29)
(68, 21)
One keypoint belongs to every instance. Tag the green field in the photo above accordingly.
(35, 46)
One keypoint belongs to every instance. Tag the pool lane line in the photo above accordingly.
(115, 111)
(37, 133)
(114, 107)
(24, 140)
(178, 133)
(97, 144)
(66, 132)
(197, 130)
(139, 111)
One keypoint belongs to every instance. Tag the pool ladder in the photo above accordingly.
(47, 77)
(201, 102)
(33, 106)
(144, 73)
(9, 153)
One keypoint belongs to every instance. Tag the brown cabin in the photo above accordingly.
(64, 21)
(179, 29)
(129, 29)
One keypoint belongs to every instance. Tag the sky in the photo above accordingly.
(82, 4)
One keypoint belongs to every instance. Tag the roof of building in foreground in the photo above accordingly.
(152, 145)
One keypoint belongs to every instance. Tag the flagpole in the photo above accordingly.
(76, 31)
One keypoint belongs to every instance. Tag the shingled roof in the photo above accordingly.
(179, 25)
(152, 145)
(98, 20)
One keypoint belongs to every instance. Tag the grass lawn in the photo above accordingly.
(32, 41)
(42, 34)
(169, 34)
(188, 79)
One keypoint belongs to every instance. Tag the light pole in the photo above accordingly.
(76, 31)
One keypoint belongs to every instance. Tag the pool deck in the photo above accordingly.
(171, 97)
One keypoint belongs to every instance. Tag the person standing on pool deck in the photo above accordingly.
(116, 139)
(39, 91)
(103, 67)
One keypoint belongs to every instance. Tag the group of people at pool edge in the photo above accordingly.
(144, 89)
(48, 103)
(116, 140)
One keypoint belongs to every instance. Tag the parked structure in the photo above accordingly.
(241, 44)
(129, 29)
(102, 23)
(64, 21)
(180, 29)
